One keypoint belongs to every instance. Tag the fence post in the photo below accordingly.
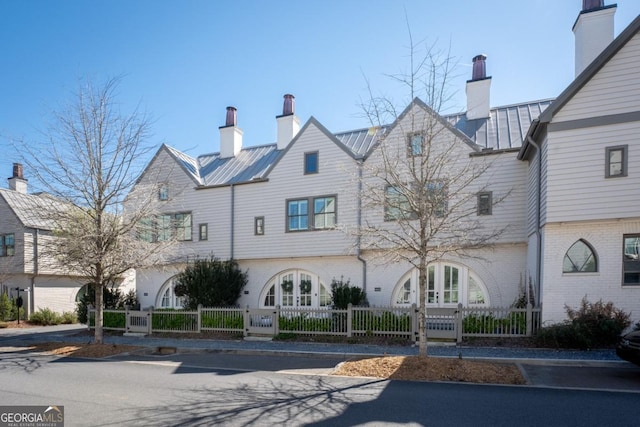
(459, 323)
(199, 318)
(150, 320)
(247, 321)
(276, 320)
(529, 319)
(127, 322)
(414, 322)
(349, 320)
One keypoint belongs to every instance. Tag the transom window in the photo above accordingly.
(631, 259)
(311, 163)
(7, 245)
(615, 161)
(580, 258)
(323, 216)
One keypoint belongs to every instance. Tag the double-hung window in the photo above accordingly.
(7, 245)
(314, 213)
(616, 161)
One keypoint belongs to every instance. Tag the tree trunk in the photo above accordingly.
(422, 309)
(98, 336)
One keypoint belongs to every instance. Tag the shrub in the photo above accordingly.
(222, 320)
(69, 317)
(210, 282)
(343, 294)
(112, 299)
(45, 316)
(592, 325)
(5, 306)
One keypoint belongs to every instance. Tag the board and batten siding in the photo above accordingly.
(577, 188)
(615, 89)
(287, 181)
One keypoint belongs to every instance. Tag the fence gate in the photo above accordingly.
(138, 321)
(260, 321)
(442, 323)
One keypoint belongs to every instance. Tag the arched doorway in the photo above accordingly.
(448, 284)
(295, 288)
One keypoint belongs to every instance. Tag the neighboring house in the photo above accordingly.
(24, 232)
(572, 229)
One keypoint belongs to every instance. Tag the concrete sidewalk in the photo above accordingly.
(69, 333)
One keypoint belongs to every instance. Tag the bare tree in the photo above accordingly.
(89, 162)
(419, 186)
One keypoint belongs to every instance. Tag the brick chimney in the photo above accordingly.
(288, 122)
(17, 181)
(230, 135)
(593, 32)
(478, 90)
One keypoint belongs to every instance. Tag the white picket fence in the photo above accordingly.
(452, 323)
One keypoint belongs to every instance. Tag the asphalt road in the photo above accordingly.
(203, 389)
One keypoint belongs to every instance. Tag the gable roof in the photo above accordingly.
(30, 208)
(578, 83)
(504, 129)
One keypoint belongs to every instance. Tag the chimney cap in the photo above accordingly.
(232, 117)
(289, 105)
(18, 171)
(588, 5)
(479, 70)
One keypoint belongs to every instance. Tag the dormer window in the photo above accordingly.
(163, 192)
(311, 163)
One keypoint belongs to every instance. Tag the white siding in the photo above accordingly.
(577, 187)
(562, 289)
(614, 89)
(288, 181)
(55, 293)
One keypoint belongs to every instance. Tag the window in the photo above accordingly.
(396, 205)
(437, 195)
(166, 296)
(615, 161)
(203, 231)
(7, 245)
(485, 203)
(258, 225)
(323, 215)
(580, 258)
(163, 192)
(415, 143)
(297, 215)
(404, 294)
(165, 227)
(631, 260)
(311, 163)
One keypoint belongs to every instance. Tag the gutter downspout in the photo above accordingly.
(359, 221)
(32, 285)
(538, 221)
(233, 220)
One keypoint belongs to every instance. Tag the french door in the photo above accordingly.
(443, 285)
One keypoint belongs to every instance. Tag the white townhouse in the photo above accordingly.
(26, 267)
(583, 157)
(563, 171)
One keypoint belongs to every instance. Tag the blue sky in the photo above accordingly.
(185, 61)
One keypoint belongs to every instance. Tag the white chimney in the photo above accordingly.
(230, 135)
(288, 123)
(17, 181)
(478, 90)
(593, 31)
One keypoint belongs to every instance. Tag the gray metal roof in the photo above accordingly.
(361, 141)
(505, 128)
(33, 210)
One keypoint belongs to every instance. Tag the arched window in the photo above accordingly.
(295, 288)
(580, 258)
(166, 297)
